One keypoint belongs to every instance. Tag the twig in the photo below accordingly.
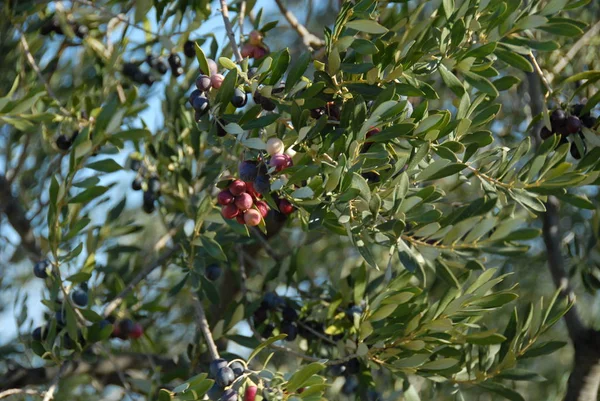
(244, 276)
(37, 70)
(229, 29)
(20, 162)
(270, 251)
(15, 391)
(205, 329)
(584, 40)
(311, 41)
(52, 389)
(241, 17)
(114, 304)
(13, 209)
(316, 333)
(299, 354)
(116, 16)
(539, 71)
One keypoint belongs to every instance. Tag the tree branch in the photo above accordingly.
(311, 41)
(16, 391)
(553, 241)
(229, 29)
(551, 229)
(584, 40)
(50, 393)
(15, 213)
(268, 248)
(205, 329)
(114, 304)
(102, 370)
(37, 70)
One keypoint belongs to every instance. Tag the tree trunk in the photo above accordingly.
(585, 377)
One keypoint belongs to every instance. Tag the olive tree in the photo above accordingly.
(235, 219)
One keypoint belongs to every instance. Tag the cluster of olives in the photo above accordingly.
(272, 305)
(133, 72)
(255, 47)
(52, 24)
(64, 142)
(225, 373)
(569, 123)
(150, 185)
(124, 329)
(199, 97)
(242, 202)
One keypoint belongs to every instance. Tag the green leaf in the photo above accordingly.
(298, 69)
(514, 59)
(364, 46)
(439, 364)
(505, 83)
(227, 87)
(590, 75)
(501, 390)
(280, 66)
(392, 132)
(133, 134)
(519, 374)
(227, 63)
(448, 7)
(212, 247)
(106, 166)
(530, 22)
(367, 26)
(485, 338)
(451, 81)
(481, 51)
(383, 312)
(562, 29)
(299, 378)
(544, 348)
(579, 201)
(88, 195)
(481, 83)
(494, 300)
(553, 7)
(202, 61)
(265, 344)
(71, 322)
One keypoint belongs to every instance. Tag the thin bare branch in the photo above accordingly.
(37, 70)
(205, 329)
(49, 395)
(540, 73)
(15, 213)
(241, 18)
(573, 50)
(311, 41)
(229, 29)
(22, 157)
(114, 304)
(116, 16)
(16, 391)
(268, 248)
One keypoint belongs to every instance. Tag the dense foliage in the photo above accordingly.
(344, 210)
